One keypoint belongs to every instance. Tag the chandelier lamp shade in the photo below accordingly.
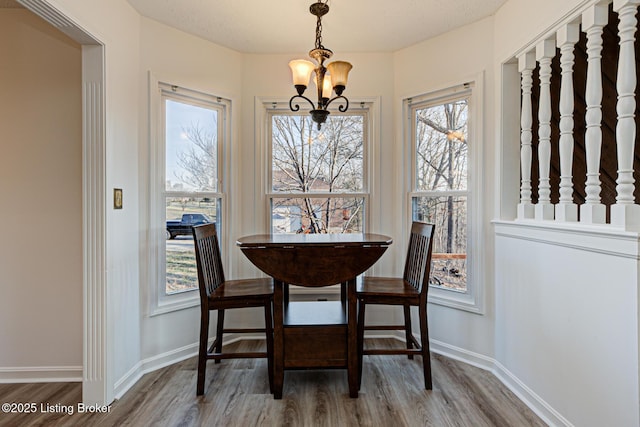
(329, 79)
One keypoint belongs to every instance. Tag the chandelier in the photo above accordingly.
(332, 78)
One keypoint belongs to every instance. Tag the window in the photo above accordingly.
(318, 178)
(187, 186)
(442, 158)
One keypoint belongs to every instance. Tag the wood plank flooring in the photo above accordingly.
(237, 394)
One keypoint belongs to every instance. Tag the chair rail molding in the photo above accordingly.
(597, 239)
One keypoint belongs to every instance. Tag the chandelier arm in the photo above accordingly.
(297, 107)
(341, 108)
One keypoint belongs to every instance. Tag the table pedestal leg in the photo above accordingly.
(352, 339)
(278, 339)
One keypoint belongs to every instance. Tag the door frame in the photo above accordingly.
(97, 381)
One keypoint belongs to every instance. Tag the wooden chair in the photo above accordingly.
(219, 294)
(410, 290)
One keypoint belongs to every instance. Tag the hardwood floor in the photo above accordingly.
(237, 394)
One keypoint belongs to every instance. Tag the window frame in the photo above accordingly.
(472, 299)
(159, 301)
(357, 108)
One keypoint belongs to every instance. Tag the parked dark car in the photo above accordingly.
(182, 227)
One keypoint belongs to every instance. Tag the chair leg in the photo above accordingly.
(424, 338)
(219, 333)
(202, 352)
(407, 328)
(361, 307)
(268, 321)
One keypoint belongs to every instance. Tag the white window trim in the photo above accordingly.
(281, 107)
(473, 299)
(158, 301)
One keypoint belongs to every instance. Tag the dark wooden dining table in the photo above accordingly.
(316, 334)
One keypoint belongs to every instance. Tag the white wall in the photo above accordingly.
(519, 22)
(452, 59)
(41, 193)
(178, 58)
(567, 320)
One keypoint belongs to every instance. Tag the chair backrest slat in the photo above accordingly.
(417, 266)
(208, 258)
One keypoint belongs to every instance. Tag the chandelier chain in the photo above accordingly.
(319, 33)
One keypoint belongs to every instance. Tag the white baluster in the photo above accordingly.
(593, 21)
(526, 65)
(545, 51)
(567, 37)
(625, 213)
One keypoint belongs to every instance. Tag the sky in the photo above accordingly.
(181, 116)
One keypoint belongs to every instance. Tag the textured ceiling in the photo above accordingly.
(286, 26)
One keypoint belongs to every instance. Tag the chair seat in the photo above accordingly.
(385, 287)
(242, 289)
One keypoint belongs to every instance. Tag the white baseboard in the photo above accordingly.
(466, 356)
(41, 374)
(529, 397)
(165, 359)
(152, 364)
(524, 393)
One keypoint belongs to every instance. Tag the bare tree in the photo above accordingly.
(306, 160)
(198, 162)
(442, 164)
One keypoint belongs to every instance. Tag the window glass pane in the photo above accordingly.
(441, 146)
(191, 147)
(307, 160)
(317, 215)
(182, 214)
(449, 214)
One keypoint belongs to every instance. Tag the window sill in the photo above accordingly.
(458, 300)
(171, 303)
